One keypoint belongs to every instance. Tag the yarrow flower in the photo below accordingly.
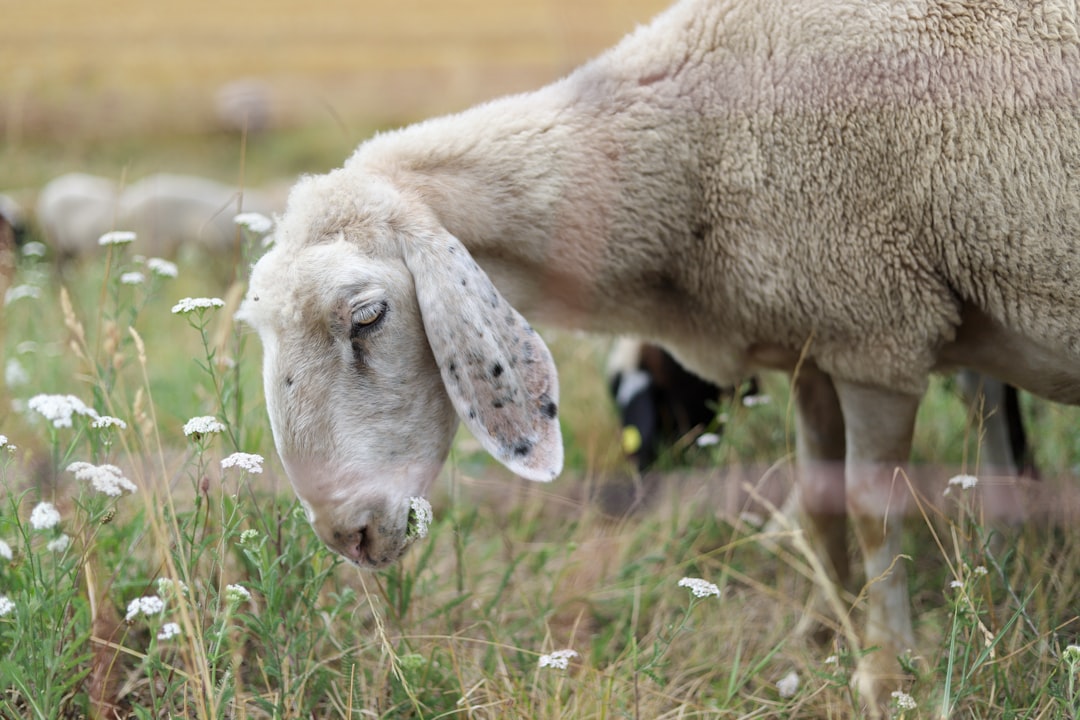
(132, 278)
(248, 462)
(5, 551)
(6, 605)
(236, 593)
(756, 400)
(167, 587)
(248, 535)
(60, 544)
(700, 588)
(203, 425)
(108, 421)
(162, 268)
(44, 516)
(15, 374)
(147, 605)
(117, 237)
(707, 440)
(788, 685)
(420, 516)
(169, 631)
(255, 222)
(560, 659)
(190, 305)
(59, 409)
(964, 482)
(903, 701)
(107, 479)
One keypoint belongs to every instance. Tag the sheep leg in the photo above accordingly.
(819, 494)
(879, 426)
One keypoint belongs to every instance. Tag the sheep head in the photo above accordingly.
(379, 331)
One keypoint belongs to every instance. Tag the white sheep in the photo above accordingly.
(74, 210)
(858, 192)
(168, 211)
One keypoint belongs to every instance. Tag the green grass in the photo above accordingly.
(510, 571)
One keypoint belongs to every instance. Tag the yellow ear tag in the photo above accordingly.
(631, 440)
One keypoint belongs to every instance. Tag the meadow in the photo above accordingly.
(152, 567)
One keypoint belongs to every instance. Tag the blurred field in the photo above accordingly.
(118, 66)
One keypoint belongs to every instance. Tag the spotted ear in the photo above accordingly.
(497, 370)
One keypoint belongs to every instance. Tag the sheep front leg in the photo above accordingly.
(879, 426)
(819, 447)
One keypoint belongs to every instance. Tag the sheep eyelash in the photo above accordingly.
(366, 318)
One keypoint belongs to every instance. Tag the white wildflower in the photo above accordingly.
(248, 536)
(832, 660)
(107, 479)
(168, 631)
(147, 605)
(420, 516)
(248, 462)
(700, 588)
(5, 551)
(44, 516)
(254, 222)
(117, 237)
(560, 659)
(236, 593)
(132, 278)
(108, 421)
(167, 587)
(707, 440)
(903, 701)
(788, 685)
(1072, 655)
(202, 425)
(59, 409)
(6, 605)
(964, 482)
(35, 249)
(3, 440)
(190, 305)
(755, 400)
(979, 570)
(60, 544)
(20, 292)
(162, 267)
(15, 374)
(956, 584)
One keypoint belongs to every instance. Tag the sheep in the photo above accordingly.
(167, 211)
(857, 193)
(74, 210)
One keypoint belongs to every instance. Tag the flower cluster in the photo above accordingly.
(903, 701)
(162, 268)
(254, 222)
(420, 516)
(203, 425)
(700, 588)
(189, 305)
(107, 479)
(964, 482)
(6, 605)
(168, 631)
(788, 685)
(147, 605)
(560, 659)
(108, 421)
(248, 462)
(117, 237)
(59, 409)
(44, 516)
(236, 593)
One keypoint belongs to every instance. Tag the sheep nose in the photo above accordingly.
(356, 545)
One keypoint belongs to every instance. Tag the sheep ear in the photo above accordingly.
(497, 370)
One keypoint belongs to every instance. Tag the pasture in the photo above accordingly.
(203, 593)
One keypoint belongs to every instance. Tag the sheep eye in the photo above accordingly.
(366, 317)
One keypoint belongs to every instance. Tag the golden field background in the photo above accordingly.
(113, 67)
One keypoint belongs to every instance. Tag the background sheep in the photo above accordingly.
(165, 211)
(855, 196)
(74, 210)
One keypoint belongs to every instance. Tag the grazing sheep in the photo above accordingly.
(73, 211)
(168, 211)
(857, 192)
